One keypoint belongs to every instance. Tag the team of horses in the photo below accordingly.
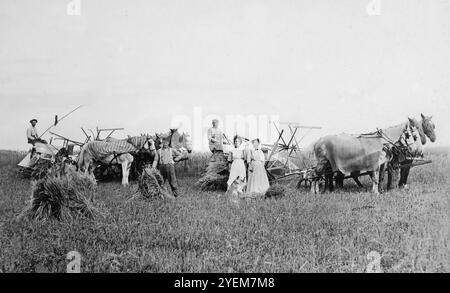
(375, 153)
(123, 151)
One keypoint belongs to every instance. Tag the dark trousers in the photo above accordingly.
(168, 174)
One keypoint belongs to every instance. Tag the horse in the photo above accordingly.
(396, 158)
(351, 154)
(113, 151)
(426, 129)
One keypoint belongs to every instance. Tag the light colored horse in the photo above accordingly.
(350, 154)
(112, 152)
(426, 129)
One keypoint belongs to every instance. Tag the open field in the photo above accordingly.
(205, 232)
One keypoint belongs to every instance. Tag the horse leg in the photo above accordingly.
(405, 178)
(124, 172)
(389, 181)
(374, 175)
(340, 179)
(329, 178)
(355, 177)
(129, 160)
(315, 186)
(125, 169)
(394, 176)
(381, 177)
(404, 173)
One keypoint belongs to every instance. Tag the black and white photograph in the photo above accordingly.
(201, 138)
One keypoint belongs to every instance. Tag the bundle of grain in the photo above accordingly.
(62, 198)
(41, 169)
(151, 184)
(275, 191)
(216, 174)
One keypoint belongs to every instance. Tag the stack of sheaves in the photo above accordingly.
(216, 174)
(151, 184)
(62, 198)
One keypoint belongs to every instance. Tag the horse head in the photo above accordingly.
(151, 142)
(158, 140)
(416, 124)
(139, 142)
(428, 127)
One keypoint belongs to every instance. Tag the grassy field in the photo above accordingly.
(205, 232)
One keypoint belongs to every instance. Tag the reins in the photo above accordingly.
(398, 149)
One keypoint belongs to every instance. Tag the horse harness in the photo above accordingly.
(117, 155)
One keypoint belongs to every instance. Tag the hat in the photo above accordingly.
(35, 120)
(215, 120)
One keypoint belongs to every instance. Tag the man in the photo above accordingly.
(215, 137)
(32, 133)
(166, 165)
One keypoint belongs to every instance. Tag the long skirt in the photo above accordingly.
(238, 173)
(257, 178)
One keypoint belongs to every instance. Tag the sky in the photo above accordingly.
(347, 66)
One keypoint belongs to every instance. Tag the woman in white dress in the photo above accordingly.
(257, 175)
(238, 172)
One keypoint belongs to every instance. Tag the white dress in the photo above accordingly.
(257, 175)
(238, 170)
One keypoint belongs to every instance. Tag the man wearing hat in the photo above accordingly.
(166, 165)
(32, 134)
(215, 138)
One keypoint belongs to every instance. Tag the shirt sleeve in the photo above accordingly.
(29, 134)
(156, 160)
(262, 156)
(176, 153)
(209, 134)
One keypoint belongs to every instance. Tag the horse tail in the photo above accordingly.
(321, 155)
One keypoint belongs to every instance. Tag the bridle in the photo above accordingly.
(402, 145)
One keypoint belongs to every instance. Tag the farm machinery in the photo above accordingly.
(44, 157)
(287, 160)
(60, 150)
